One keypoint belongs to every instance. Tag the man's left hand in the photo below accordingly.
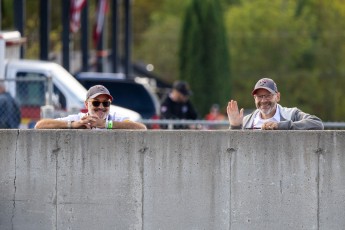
(271, 125)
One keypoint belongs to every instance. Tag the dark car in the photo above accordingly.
(133, 94)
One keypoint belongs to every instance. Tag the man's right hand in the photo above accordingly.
(235, 115)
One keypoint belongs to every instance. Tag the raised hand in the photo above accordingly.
(235, 115)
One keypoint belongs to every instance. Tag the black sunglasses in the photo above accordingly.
(104, 103)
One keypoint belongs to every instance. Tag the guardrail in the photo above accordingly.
(205, 124)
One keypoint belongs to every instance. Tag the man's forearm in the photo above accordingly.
(51, 124)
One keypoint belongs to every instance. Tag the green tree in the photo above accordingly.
(326, 23)
(159, 40)
(6, 14)
(203, 54)
(264, 41)
(299, 44)
(142, 13)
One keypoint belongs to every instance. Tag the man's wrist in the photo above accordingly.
(110, 125)
(69, 124)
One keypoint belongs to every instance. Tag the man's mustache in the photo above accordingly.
(265, 103)
(98, 109)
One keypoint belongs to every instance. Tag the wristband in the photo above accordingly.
(110, 125)
(69, 124)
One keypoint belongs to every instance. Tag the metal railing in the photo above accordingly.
(205, 124)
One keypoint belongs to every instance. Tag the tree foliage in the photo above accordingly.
(297, 43)
(203, 54)
(159, 48)
(300, 44)
(159, 42)
(6, 14)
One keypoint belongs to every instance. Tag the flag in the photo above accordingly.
(102, 9)
(76, 7)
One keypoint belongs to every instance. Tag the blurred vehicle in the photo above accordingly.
(135, 94)
(39, 84)
(36, 83)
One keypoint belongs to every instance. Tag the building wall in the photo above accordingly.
(79, 179)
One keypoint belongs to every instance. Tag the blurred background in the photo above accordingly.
(221, 47)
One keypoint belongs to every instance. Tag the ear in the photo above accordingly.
(278, 96)
(86, 105)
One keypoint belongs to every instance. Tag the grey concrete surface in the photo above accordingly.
(78, 179)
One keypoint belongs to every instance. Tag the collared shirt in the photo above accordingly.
(258, 121)
(79, 116)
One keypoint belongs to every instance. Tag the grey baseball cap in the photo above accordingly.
(97, 90)
(266, 83)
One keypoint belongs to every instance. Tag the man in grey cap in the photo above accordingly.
(98, 101)
(270, 115)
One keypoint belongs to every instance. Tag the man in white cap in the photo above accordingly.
(270, 115)
(98, 101)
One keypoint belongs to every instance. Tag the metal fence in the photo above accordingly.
(214, 125)
(31, 92)
(37, 98)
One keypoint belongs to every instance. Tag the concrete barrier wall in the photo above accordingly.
(57, 179)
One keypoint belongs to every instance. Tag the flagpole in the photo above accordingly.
(115, 36)
(65, 34)
(85, 37)
(0, 15)
(128, 38)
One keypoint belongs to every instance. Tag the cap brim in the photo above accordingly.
(266, 88)
(97, 94)
(186, 93)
